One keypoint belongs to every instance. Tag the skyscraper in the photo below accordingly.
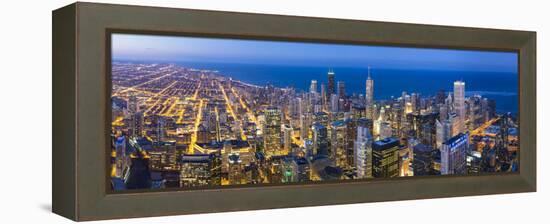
(272, 132)
(323, 96)
(160, 128)
(351, 135)
(132, 104)
(341, 89)
(453, 155)
(331, 84)
(136, 124)
(338, 151)
(369, 97)
(287, 138)
(313, 86)
(322, 118)
(363, 153)
(385, 130)
(385, 158)
(422, 160)
(199, 170)
(302, 169)
(334, 103)
(235, 173)
(320, 139)
(304, 127)
(459, 103)
(443, 132)
(122, 160)
(456, 125)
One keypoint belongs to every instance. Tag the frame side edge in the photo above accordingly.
(64, 112)
(529, 88)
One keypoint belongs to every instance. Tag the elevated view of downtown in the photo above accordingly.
(190, 112)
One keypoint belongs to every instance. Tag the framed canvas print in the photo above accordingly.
(201, 111)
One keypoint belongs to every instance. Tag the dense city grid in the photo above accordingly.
(180, 127)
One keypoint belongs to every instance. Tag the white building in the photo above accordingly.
(313, 87)
(442, 132)
(369, 97)
(363, 153)
(459, 103)
(453, 155)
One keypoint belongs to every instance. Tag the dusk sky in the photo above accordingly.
(215, 50)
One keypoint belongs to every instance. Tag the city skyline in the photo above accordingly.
(179, 126)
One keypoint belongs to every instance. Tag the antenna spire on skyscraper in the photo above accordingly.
(369, 72)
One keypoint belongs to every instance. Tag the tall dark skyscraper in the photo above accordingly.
(320, 139)
(423, 160)
(341, 89)
(385, 158)
(136, 125)
(272, 132)
(331, 84)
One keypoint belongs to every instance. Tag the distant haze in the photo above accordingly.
(139, 47)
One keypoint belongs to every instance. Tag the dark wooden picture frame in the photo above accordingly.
(81, 110)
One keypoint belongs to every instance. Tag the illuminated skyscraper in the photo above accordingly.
(385, 158)
(272, 132)
(338, 152)
(453, 155)
(334, 103)
(132, 104)
(313, 86)
(323, 96)
(363, 153)
(199, 170)
(235, 173)
(351, 135)
(443, 132)
(304, 127)
(287, 138)
(203, 135)
(454, 119)
(385, 130)
(136, 124)
(322, 118)
(459, 103)
(331, 84)
(341, 89)
(414, 101)
(308, 148)
(160, 128)
(122, 160)
(302, 169)
(320, 139)
(369, 97)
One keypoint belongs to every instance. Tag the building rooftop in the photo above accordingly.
(196, 158)
(385, 143)
(321, 113)
(338, 123)
(422, 148)
(317, 125)
(234, 158)
(454, 139)
(301, 161)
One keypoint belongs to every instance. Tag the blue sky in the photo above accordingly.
(206, 50)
